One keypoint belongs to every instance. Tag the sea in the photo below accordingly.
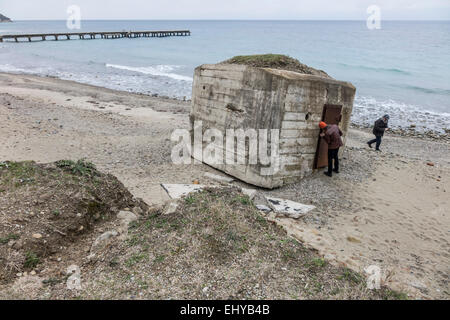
(402, 69)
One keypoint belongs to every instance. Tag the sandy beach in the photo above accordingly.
(387, 209)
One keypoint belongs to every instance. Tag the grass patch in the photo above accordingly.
(190, 199)
(245, 200)
(159, 259)
(319, 262)
(218, 238)
(136, 258)
(31, 260)
(80, 167)
(351, 276)
(8, 238)
(18, 173)
(275, 61)
(395, 295)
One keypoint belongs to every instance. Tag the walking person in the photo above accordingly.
(332, 136)
(381, 125)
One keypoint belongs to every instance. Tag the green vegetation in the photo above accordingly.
(135, 258)
(31, 260)
(189, 199)
(18, 173)
(80, 167)
(275, 61)
(319, 262)
(8, 238)
(219, 236)
(351, 276)
(262, 59)
(395, 295)
(245, 200)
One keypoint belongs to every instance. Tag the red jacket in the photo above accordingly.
(333, 137)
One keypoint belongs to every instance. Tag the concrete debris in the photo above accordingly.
(263, 208)
(289, 208)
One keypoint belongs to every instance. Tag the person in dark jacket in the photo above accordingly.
(332, 136)
(381, 125)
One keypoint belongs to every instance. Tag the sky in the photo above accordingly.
(227, 9)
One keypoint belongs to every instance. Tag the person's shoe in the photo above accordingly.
(370, 146)
(337, 171)
(378, 150)
(328, 174)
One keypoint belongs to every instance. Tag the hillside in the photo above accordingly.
(4, 19)
(65, 221)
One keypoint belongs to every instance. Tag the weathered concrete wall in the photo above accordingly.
(236, 96)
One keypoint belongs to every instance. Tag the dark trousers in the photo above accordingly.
(333, 155)
(377, 140)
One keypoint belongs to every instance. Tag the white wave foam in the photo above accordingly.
(368, 109)
(13, 69)
(159, 70)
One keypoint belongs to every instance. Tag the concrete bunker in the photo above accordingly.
(266, 92)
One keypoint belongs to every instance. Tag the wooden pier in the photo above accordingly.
(93, 35)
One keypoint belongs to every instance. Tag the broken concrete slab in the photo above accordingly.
(218, 178)
(289, 208)
(177, 191)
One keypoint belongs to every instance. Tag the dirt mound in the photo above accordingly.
(217, 246)
(276, 61)
(47, 207)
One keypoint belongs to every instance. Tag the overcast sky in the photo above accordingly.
(227, 9)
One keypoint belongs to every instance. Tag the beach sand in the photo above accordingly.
(388, 209)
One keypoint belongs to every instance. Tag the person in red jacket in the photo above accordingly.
(332, 136)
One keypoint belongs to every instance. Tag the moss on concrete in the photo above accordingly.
(275, 61)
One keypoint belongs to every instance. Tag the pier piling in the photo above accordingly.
(93, 35)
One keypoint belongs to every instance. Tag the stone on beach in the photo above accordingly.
(289, 208)
(103, 239)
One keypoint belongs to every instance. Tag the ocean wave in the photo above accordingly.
(368, 109)
(390, 70)
(159, 70)
(425, 90)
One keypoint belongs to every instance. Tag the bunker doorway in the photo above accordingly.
(332, 114)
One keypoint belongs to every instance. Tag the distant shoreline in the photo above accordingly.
(4, 19)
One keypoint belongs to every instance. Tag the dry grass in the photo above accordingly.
(275, 61)
(218, 246)
(46, 207)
